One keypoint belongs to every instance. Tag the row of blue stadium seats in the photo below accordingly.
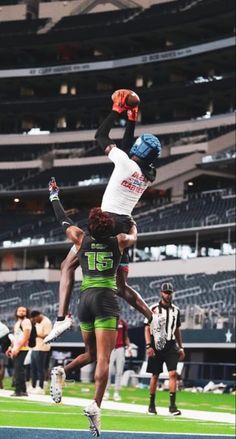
(211, 292)
(152, 18)
(22, 26)
(90, 148)
(95, 19)
(90, 20)
(32, 178)
(203, 209)
(208, 210)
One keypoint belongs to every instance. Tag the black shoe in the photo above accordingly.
(174, 411)
(152, 410)
(19, 394)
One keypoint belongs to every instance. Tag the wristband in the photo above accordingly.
(181, 349)
(53, 197)
(148, 345)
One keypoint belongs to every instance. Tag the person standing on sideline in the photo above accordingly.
(169, 349)
(19, 349)
(40, 351)
(117, 360)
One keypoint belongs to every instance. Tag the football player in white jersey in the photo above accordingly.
(133, 172)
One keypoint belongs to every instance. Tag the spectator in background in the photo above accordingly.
(19, 348)
(39, 355)
(166, 351)
(117, 359)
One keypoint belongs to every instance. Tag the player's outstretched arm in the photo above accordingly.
(102, 134)
(124, 100)
(60, 214)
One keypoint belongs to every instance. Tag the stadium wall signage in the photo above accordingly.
(122, 62)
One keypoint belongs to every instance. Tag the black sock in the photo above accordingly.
(60, 318)
(172, 399)
(152, 399)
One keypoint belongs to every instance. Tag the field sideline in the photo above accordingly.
(205, 410)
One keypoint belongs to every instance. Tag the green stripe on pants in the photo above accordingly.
(106, 323)
(87, 327)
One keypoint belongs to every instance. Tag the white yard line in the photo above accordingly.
(131, 408)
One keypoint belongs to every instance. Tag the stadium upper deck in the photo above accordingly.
(179, 56)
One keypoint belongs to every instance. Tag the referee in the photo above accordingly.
(170, 349)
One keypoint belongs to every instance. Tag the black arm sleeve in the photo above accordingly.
(178, 324)
(60, 215)
(128, 138)
(102, 134)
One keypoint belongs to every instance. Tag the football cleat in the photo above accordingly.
(174, 411)
(116, 396)
(106, 396)
(58, 377)
(152, 410)
(93, 414)
(58, 329)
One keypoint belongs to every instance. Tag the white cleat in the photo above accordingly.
(36, 391)
(59, 328)
(116, 396)
(93, 414)
(58, 377)
(106, 396)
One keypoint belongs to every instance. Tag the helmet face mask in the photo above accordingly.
(147, 148)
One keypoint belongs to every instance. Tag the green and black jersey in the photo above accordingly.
(99, 262)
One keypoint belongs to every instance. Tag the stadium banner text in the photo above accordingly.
(122, 62)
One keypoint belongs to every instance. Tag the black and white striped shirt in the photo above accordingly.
(172, 317)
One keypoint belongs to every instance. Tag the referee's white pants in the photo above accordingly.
(117, 362)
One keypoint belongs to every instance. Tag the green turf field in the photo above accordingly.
(19, 412)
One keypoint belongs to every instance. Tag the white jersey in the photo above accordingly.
(171, 315)
(126, 185)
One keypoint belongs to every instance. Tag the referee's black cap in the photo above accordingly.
(167, 287)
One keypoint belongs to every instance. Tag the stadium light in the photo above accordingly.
(16, 200)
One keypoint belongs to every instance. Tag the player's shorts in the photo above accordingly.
(98, 309)
(123, 224)
(168, 355)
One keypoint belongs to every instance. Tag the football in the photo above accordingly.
(132, 99)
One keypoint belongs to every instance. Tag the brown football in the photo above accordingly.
(132, 99)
